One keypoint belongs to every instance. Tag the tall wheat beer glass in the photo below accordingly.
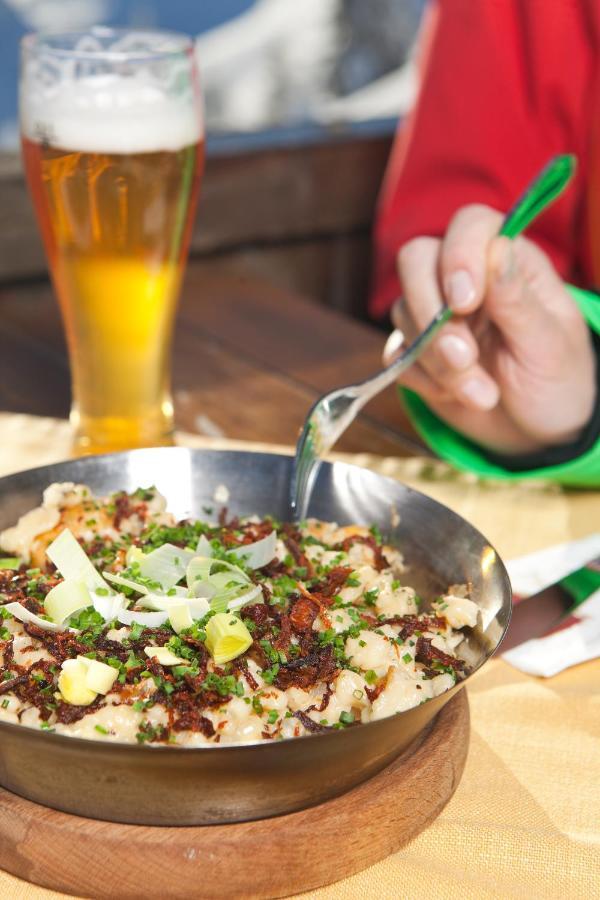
(112, 140)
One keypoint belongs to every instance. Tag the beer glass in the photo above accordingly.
(112, 143)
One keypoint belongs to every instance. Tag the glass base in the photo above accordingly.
(109, 434)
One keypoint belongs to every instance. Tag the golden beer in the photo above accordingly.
(116, 228)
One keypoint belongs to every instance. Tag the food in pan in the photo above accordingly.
(118, 623)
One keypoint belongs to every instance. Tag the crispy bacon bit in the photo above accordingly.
(379, 560)
(232, 524)
(8, 652)
(13, 584)
(325, 698)
(192, 720)
(326, 590)
(303, 614)
(292, 540)
(95, 547)
(61, 644)
(6, 686)
(282, 641)
(257, 612)
(426, 653)
(410, 624)
(310, 724)
(237, 533)
(153, 734)
(66, 714)
(373, 693)
(240, 667)
(123, 508)
(274, 569)
(304, 672)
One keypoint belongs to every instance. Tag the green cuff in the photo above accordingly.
(465, 454)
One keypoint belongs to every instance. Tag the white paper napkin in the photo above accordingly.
(577, 639)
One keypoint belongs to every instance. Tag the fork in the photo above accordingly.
(331, 415)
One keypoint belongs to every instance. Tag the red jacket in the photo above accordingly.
(505, 85)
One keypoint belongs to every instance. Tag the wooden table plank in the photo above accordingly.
(249, 360)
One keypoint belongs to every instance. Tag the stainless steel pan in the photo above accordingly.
(177, 786)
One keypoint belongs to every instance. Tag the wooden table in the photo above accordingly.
(249, 359)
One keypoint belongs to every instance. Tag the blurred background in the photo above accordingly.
(302, 102)
(266, 64)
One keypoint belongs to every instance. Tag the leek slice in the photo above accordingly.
(229, 588)
(166, 565)
(180, 618)
(200, 569)
(254, 556)
(203, 548)
(66, 599)
(72, 683)
(99, 677)
(258, 554)
(243, 599)
(149, 619)
(233, 599)
(197, 606)
(10, 562)
(70, 560)
(108, 606)
(23, 615)
(226, 637)
(134, 555)
(165, 656)
(126, 582)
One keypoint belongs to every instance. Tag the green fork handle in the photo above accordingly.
(537, 196)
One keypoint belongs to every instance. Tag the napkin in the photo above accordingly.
(576, 638)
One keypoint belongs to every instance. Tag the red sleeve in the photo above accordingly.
(505, 85)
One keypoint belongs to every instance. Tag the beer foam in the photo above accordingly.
(111, 114)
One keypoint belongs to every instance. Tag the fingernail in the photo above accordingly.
(393, 345)
(482, 393)
(455, 351)
(460, 289)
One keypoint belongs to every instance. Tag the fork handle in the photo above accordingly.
(388, 375)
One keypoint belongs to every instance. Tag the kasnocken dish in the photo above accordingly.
(120, 624)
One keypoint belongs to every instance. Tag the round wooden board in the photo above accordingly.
(263, 859)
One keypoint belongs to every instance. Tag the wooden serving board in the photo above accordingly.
(264, 859)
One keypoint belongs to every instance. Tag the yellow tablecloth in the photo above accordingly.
(525, 819)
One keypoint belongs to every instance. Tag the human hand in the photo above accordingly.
(515, 369)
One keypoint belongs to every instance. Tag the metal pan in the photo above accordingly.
(177, 786)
